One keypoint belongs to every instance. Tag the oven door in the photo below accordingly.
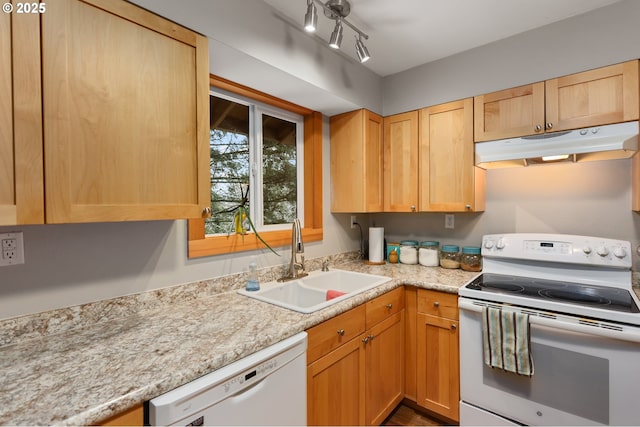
(584, 374)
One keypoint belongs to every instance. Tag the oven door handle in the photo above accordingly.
(589, 327)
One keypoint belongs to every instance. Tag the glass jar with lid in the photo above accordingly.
(471, 259)
(428, 254)
(449, 256)
(409, 251)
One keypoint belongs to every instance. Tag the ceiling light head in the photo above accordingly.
(311, 17)
(336, 36)
(361, 51)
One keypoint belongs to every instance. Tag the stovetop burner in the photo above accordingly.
(575, 297)
(504, 287)
(607, 298)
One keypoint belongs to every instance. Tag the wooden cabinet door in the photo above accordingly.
(597, 97)
(356, 162)
(438, 368)
(384, 368)
(401, 162)
(21, 173)
(126, 114)
(335, 387)
(447, 170)
(509, 113)
(130, 417)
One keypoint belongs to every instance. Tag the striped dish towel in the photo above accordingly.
(506, 341)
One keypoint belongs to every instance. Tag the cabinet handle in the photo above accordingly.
(454, 326)
(341, 332)
(206, 212)
(538, 128)
(436, 304)
(371, 337)
(467, 207)
(365, 340)
(389, 306)
(413, 208)
(549, 125)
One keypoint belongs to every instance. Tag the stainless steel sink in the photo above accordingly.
(312, 293)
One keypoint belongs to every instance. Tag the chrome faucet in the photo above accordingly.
(296, 266)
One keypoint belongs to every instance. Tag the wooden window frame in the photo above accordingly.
(201, 245)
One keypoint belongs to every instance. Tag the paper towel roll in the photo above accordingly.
(376, 244)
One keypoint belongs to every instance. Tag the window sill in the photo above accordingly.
(217, 245)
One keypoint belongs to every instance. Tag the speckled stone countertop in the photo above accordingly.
(81, 365)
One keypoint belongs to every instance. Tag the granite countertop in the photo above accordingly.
(88, 373)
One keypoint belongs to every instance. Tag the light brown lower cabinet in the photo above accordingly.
(384, 368)
(335, 387)
(360, 381)
(437, 353)
(130, 417)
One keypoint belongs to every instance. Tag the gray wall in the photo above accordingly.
(592, 199)
(76, 263)
(605, 36)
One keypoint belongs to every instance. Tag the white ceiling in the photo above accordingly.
(407, 33)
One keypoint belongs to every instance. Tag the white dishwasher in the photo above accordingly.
(266, 388)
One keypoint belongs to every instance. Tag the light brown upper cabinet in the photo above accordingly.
(449, 181)
(124, 115)
(21, 172)
(356, 162)
(592, 98)
(401, 162)
(509, 113)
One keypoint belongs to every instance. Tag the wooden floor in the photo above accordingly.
(404, 415)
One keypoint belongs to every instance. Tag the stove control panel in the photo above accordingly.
(562, 248)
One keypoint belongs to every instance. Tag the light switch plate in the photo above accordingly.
(11, 248)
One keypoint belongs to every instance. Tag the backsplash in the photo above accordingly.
(38, 325)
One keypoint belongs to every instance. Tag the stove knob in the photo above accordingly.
(500, 244)
(619, 252)
(488, 244)
(602, 251)
(587, 250)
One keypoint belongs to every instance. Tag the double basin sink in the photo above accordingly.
(318, 290)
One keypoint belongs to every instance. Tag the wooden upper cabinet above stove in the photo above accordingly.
(120, 117)
(591, 98)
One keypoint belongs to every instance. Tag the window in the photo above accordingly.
(276, 126)
(256, 158)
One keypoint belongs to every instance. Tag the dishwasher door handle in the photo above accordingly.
(249, 391)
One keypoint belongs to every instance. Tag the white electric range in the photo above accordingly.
(584, 332)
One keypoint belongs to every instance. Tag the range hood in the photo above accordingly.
(608, 142)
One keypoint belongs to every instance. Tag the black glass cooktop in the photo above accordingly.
(604, 297)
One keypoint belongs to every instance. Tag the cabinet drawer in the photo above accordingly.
(384, 306)
(437, 303)
(334, 332)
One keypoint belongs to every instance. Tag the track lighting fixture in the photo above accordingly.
(311, 17)
(338, 11)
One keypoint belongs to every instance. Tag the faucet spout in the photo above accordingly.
(296, 266)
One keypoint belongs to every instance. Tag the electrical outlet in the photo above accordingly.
(12, 248)
(353, 221)
(449, 221)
